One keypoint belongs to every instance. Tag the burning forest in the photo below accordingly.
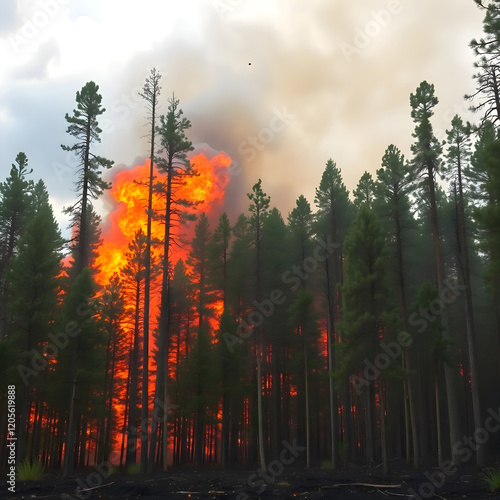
(355, 334)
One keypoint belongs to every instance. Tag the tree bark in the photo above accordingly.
(449, 375)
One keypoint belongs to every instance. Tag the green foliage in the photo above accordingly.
(229, 355)
(219, 253)
(366, 261)
(487, 52)
(239, 263)
(300, 312)
(33, 276)
(432, 336)
(392, 189)
(133, 272)
(181, 290)
(84, 127)
(275, 254)
(477, 172)
(85, 355)
(89, 185)
(426, 149)
(258, 208)
(300, 219)
(198, 261)
(488, 216)
(365, 292)
(334, 212)
(30, 471)
(174, 144)
(326, 464)
(492, 479)
(458, 157)
(332, 221)
(458, 151)
(245, 265)
(134, 469)
(15, 194)
(151, 89)
(365, 190)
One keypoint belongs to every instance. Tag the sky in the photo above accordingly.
(279, 85)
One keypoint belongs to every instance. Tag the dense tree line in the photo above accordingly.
(352, 327)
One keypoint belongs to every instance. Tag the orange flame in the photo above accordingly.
(130, 192)
(129, 195)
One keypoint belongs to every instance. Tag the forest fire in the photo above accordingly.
(130, 192)
(203, 191)
(214, 343)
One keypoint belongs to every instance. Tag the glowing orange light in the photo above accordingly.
(130, 193)
(129, 196)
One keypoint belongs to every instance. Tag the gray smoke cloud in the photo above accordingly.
(281, 86)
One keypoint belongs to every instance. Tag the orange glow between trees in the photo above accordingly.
(129, 195)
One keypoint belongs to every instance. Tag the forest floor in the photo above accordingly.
(356, 483)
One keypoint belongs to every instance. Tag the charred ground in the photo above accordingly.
(236, 484)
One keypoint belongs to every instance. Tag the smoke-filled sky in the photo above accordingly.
(280, 85)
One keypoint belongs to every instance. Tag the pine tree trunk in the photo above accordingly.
(162, 366)
(82, 236)
(438, 421)
(262, 460)
(383, 431)
(109, 420)
(102, 423)
(80, 265)
(370, 450)
(25, 406)
(331, 368)
(147, 288)
(131, 456)
(258, 350)
(469, 316)
(165, 385)
(126, 412)
(276, 394)
(348, 441)
(410, 393)
(451, 395)
(308, 430)
(69, 454)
